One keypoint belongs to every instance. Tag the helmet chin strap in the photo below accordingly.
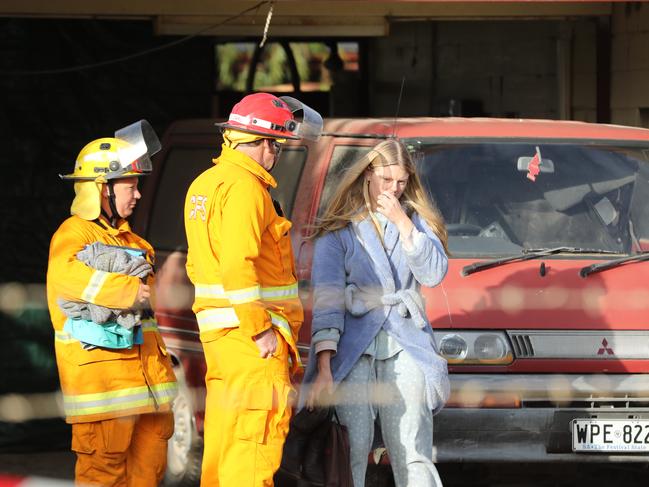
(274, 164)
(111, 203)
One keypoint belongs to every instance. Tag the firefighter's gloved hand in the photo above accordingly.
(266, 342)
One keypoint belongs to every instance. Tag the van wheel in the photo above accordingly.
(185, 447)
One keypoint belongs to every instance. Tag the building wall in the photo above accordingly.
(408, 52)
(583, 79)
(47, 117)
(473, 68)
(45, 120)
(529, 69)
(630, 64)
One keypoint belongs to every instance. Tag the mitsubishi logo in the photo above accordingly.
(605, 348)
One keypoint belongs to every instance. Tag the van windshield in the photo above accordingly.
(497, 198)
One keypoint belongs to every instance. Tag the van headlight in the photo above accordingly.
(453, 347)
(474, 347)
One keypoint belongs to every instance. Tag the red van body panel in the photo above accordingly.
(578, 346)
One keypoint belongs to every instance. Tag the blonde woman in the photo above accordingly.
(379, 240)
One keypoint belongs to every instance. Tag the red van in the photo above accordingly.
(544, 313)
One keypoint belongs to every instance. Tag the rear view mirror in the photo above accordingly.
(605, 210)
(523, 164)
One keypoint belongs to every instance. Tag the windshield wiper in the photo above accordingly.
(529, 254)
(604, 266)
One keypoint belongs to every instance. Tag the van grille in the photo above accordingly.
(522, 345)
(580, 344)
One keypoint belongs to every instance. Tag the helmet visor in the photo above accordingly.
(140, 166)
(141, 143)
(310, 126)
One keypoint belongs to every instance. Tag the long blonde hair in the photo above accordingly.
(351, 201)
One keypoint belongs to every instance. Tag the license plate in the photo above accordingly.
(610, 435)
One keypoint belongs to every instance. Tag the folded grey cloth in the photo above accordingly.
(107, 258)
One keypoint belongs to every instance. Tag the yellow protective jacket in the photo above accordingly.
(101, 384)
(240, 258)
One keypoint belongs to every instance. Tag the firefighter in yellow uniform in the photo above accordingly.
(118, 400)
(246, 302)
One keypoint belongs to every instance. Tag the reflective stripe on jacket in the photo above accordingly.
(101, 384)
(240, 258)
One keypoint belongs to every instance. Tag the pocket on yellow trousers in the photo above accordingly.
(252, 419)
(117, 433)
(109, 435)
(157, 425)
(165, 425)
(83, 437)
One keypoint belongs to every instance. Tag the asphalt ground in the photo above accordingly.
(59, 464)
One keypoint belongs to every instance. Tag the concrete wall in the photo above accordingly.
(630, 64)
(499, 69)
(583, 78)
(408, 51)
(529, 69)
(45, 120)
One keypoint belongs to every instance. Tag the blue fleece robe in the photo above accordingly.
(361, 286)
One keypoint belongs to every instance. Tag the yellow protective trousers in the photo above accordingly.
(247, 411)
(129, 451)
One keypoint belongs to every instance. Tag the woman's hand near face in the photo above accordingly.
(388, 205)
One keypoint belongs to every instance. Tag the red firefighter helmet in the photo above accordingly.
(267, 115)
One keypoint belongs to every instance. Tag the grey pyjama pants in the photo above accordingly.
(395, 389)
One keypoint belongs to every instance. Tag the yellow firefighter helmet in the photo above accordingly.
(103, 160)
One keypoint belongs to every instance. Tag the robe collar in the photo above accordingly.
(365, 232)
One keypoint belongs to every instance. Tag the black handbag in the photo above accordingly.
(316, 449)
(337, 461)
